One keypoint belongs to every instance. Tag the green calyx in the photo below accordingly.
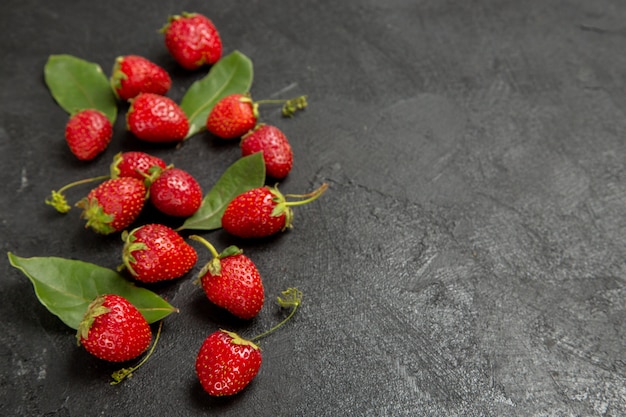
(214, 266)
(117, 75)
(130, 245)
(283, 205)
(96, 308)
(97, 219)
(238, 340)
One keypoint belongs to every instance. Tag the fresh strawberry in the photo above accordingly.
(236, 114)
(155, 118)
(88, 133)
(113, 329)
(227, 363)
(175, 192)
(263, 211)
(134, 74)
(232, 281)
(276, 149)
(113, 205)
(155, 252)
(193, 40)
(232, 116)
(135, 164)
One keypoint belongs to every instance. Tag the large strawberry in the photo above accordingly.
(155, 118)
(277, 153)
(135, 164)
(134, 74)
(155, 252)
(232, 281)
(193, 40)
(113, 329)
(236, 114)
(113, 205)
(88, 133)
(226, 363)
(263, 211)
(176, 192)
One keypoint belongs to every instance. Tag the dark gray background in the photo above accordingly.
(467, 260)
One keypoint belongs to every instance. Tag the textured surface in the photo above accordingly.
(468, 258)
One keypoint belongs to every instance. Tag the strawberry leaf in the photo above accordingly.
(245, 174)
(230, 75)
(77, 85)
(66, 287)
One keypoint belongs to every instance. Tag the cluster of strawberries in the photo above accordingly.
(112, 328)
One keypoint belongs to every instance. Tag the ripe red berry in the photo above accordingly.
(88, 133)
(276, 149)
(263, 212)
(113, 205)
(134, 74)
(176, 193)
(155, 252)
(232, 281)
(193, 40)
(227, 363)
(232, 116)
(156, 118)
(135, 164)
(113, 329)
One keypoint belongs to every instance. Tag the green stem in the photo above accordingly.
(205, 243)
(57, 198)
(120, 375)
(293, 298)
(83, 181)
(307, 198)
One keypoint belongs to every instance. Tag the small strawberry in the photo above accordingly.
(155, 252)
(276, 149)
(88, 133)
(156, 118)
(135, 164)
(113, 205)
(226, 363)
(134, 74)
(263, 211)
(113, 329)
(236, 114)
(231, 280)
(193, 40)
(175, 192)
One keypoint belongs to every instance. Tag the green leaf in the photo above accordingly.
(245, 174)
(232, 74)
(66, 287)
(77, 85)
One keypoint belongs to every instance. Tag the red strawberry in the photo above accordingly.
(232, 281)
(113, 205)
(192, 40)
(156, 118)
(176, 193)
(134, 74)
(155, 252)
(88, 133)
(135, 164)
(236, 114)
(263, 211)
(232, 116)
(227, 363)
(113, 329)
(276, 149)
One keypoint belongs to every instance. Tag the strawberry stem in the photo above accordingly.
(292, 299)
(58, 200)
(290, 106)
(205, 243)
(214, 266)
(121, 374)
(307, 198)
